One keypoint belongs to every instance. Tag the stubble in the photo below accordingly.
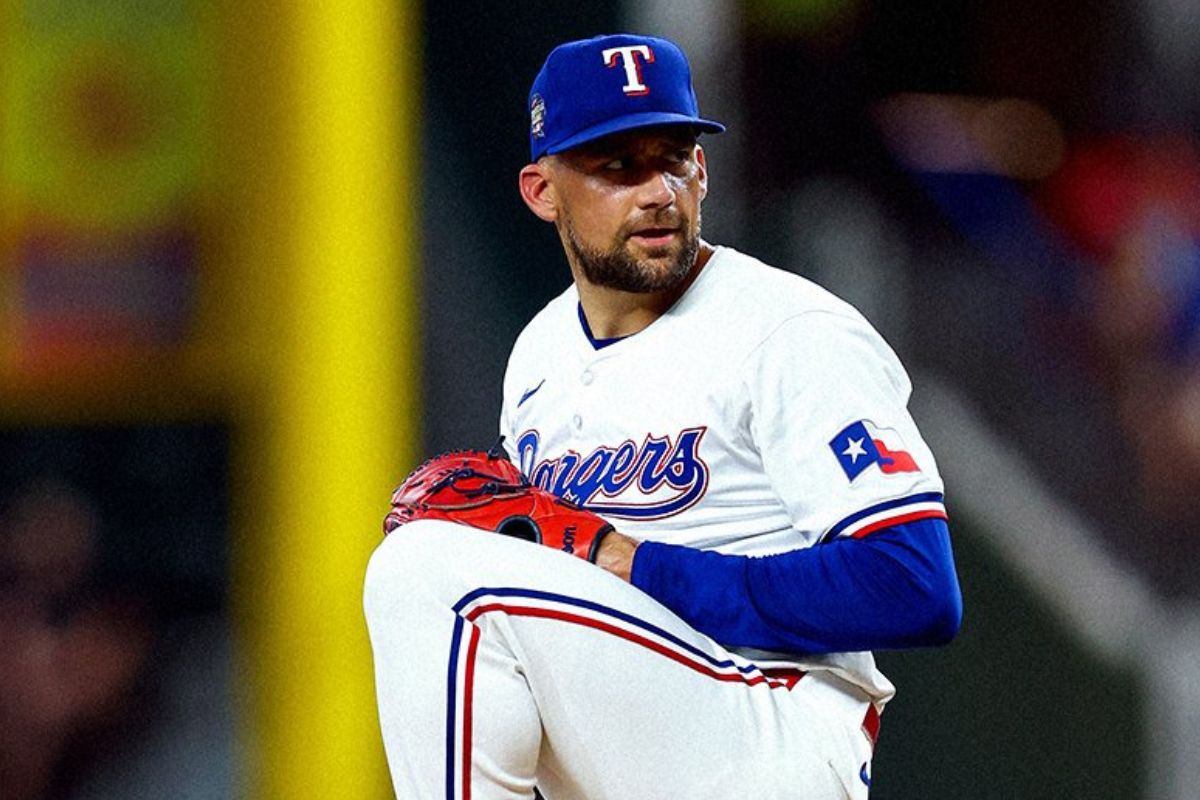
(617, 268)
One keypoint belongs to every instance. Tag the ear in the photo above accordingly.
(703, 164)
(537, 192)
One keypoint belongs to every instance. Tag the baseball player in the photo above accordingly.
(722, 449)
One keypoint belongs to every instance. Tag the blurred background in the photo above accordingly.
(258, 261)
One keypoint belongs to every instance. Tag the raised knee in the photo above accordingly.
(406, 553)
(417, 557)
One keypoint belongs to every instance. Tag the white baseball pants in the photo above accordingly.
(502, 666)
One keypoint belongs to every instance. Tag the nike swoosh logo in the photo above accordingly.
(529, 393)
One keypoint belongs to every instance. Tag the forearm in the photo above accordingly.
(897, 588)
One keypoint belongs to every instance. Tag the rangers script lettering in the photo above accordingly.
(610, 471)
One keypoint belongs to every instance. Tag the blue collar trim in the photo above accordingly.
(597, 344)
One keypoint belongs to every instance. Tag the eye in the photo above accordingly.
(615, 164)
(680, 156)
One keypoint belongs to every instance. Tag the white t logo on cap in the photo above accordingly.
(633, 68)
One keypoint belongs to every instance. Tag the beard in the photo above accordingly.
(616, 268)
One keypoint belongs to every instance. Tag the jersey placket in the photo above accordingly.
(587, 384)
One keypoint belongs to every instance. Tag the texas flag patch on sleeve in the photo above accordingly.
(861, 445)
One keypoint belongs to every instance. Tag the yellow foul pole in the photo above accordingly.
(328, 256)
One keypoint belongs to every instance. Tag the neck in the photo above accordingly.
(612, 313)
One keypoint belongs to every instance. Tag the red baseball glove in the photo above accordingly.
(485, 490)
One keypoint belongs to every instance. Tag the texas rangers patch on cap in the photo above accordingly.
(595, 87)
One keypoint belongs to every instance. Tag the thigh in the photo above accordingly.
(631, 700)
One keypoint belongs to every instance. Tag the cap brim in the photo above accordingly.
(630, 122)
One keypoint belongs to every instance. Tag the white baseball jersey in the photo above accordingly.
(759, 415)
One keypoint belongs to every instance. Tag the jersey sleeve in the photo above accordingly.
(829, 419)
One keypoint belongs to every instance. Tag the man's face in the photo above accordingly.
(629, 207)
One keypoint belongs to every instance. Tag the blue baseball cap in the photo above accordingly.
(593, 87)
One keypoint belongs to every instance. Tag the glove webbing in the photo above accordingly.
(494, 486)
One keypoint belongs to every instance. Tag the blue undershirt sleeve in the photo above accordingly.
(895, 588)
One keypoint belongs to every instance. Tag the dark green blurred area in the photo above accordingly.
(1016, 707)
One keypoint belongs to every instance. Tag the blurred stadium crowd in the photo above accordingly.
(1010, 189)
(70, 653)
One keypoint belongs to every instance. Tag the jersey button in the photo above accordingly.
(578, 421)
(587, 377)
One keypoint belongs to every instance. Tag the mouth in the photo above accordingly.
(655, 237)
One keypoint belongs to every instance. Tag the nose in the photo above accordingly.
(656, 191)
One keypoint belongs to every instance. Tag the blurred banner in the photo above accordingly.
(103, 147)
